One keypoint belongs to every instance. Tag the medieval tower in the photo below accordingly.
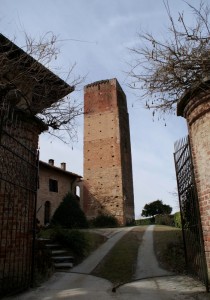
(108, 182)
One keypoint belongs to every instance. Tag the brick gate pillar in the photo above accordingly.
(18, 146)
(194, 106)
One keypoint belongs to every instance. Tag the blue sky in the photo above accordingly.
(108, 28)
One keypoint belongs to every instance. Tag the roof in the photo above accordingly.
(57, 169)
(28, 74)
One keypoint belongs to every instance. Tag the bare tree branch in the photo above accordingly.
(164, 69)
(26, 82)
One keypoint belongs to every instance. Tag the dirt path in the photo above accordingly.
(159, 284)
(147, 264)
(67, 286)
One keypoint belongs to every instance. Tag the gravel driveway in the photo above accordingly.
(78, 284)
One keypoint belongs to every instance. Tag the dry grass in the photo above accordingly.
(119, 265)
(94, 241)
(169, 249)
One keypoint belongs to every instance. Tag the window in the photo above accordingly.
(78, 191)
(53, 185)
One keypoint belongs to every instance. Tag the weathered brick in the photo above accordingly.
(16, 205)
(108, 183)
(196, 109)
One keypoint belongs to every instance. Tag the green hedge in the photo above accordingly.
(169, 220)
(164, 220)
(177, 220)
(147, 221)
(73, 239)
(104, 221)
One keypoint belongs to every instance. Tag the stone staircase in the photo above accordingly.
(62, 259)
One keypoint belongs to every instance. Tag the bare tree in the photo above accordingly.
(165, 69)
(26, 82)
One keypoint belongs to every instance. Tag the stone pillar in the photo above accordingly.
(194, 106)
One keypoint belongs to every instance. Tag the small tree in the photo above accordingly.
(164, 69)
(155, 208)
(69, 214)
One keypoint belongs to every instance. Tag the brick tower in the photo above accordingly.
(108, 182)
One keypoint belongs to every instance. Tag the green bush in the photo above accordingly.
(73, 239)
(164, 220)
(177, 220)
(69, 214)
(147, 221)
(43, 265)
(104, 221)
(130, 222)
(80, 243)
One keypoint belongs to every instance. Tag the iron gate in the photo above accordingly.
(18, 184)
(190, 214)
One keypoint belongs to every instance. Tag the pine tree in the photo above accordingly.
(69, 214)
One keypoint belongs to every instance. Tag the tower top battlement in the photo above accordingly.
(97, 84)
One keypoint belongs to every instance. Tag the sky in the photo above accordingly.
(97, 35)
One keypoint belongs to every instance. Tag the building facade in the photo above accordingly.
(108, 182)
(54, 184)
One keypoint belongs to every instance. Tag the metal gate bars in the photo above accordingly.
(18, 184)
(190, 214)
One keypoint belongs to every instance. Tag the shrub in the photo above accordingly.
(177, 220)
(43, 265)
(80, 243)
(69, 214)
(164, 220)
(104, 221)
(147, 221)
(130, 222)
(73, 239)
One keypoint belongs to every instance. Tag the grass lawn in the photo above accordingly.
(119, 265)
(169, 249)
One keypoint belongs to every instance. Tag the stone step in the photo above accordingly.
(62, 261)
(53, 246)
(63, 265)
(57, 252)
(59, 259)
(44, 240)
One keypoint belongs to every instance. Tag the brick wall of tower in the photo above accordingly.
(126, 160)
(108, 187)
